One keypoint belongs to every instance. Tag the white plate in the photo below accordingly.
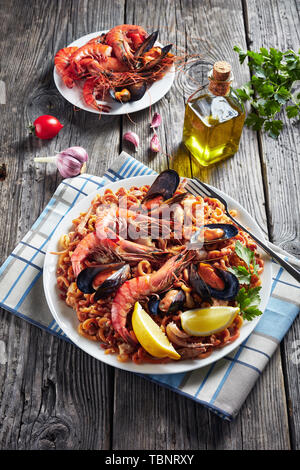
(67, 319)
(74, 95)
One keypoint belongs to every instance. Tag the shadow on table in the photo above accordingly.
(182, 161)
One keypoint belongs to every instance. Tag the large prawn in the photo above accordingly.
(88, 57)
(62, 64)
(125, 39)
(142, 286)
(93, 89)
(108, 246)
(87, 246)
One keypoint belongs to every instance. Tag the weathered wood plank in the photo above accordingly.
(136, 402)
(166, 18)
(47, 401)
(276, 24)
(53, 396)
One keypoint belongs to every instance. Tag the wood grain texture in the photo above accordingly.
(57, 403)
(52, 395)
(242, 171)
(276, 24)
(167, 18)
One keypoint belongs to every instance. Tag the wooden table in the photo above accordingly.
(53, 395)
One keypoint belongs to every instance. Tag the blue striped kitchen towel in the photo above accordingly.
(223, 386)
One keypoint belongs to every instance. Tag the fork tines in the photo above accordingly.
(193, 185)
(193, 189)
(208, 189)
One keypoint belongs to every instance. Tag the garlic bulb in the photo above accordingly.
(70, 162)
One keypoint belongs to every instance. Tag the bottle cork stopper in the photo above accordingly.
(221, 70)
(220, 78)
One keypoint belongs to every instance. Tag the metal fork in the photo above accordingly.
(197, 187)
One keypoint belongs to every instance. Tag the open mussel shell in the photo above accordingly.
(206, 292)
(165, 185)
(137, 90)
(129, 93)
(153, 304)
(231, 288)
(198, 285)
(229, 231)
(112, 283)
(172, 301)
(152, 63)
(146, 45)
(122, 95)
(86, 277)
(166, 304)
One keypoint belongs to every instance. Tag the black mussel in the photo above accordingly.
(86, 277)
(122, 95)
(153, 304)
(220, 232)
(172, 301)
(152, 63)
(146, 45)
(207, 292)
(137, 90)
(112, 283)
(198, 285)
(231, 287)
(129, 93)
(165, 185)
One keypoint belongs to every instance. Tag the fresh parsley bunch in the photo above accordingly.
(270, 87)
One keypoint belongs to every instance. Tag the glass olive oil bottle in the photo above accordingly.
(214, 118)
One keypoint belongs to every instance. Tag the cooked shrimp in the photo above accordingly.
(139, 287)
(108, 245)
(125, 39)
(62, 64)
(89, 55)
(85, 247)
(95, 87)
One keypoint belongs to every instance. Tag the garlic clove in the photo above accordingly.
(133, 138)
(156, 121)
(155, 144)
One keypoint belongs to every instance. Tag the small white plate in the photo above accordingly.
(67, 319)
(74, 95)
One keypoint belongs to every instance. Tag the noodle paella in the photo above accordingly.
(165, 249)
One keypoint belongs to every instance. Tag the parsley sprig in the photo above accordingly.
(247, 299)
(241, 272)
(270, 87)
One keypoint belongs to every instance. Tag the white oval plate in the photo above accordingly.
(67, 319)
(74, 95)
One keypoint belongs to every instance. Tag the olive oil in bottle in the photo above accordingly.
(214, 118)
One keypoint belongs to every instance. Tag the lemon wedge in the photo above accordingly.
(207, 321)
(150, 336)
